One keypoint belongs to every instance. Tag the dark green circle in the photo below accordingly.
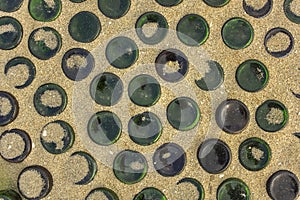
(45, 110)
(288, 12)
(144, 90)
(12, 38)
(39, 48)
(168, 3)
(152, 17)
(183, 113)
(212, 79)
(237, 33)
(123, 170)
(192, 30)
(248, 160)
(9, 195)
(68, 138)
(22, 60)
(10, 5)
(150, 193)
(106, 89)
(40, 11)
(216, 3)
(114, 9)
(233, 188)
(122, 52)
(104, 128)
(262, 112)
(84, 27)
(145, 128)
(252, 75)
(109, 194)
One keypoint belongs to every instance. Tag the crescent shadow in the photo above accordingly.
(92, 168)
(196, 183)
(30, 67)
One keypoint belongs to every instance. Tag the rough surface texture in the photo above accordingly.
(76, 168)
(278, 42)
(7, 28)
(295, 7)
(275, 116)
(31, 183)
(76, 61)
(51, 98)
(11, 146)
(256, 4)
(17, 75)
(5, 106)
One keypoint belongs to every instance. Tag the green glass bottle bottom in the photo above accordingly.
(104, 128)
(144, 90)
(50, 99)
(106, 89)
(130, 166)
(122, 52)
(237, 33)
(14, 65)
(233, 188)
(150, 193)
(57, 137)
(212, 79)
(84, 27)
(45, 11)
(9, 108)
(232, 116)
(151, 28)
(254, 154)
(11, 33)
(271, 116)
(145, 128)
(252, 75)
(44, 43)
(114, 9)
(192, 30)
(183, 113)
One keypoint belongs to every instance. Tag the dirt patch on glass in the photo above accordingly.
(12, 145)
(54, 133)
(31, 183)
(48, 37)
(51, 98)
(278, 42)
(5, 106)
